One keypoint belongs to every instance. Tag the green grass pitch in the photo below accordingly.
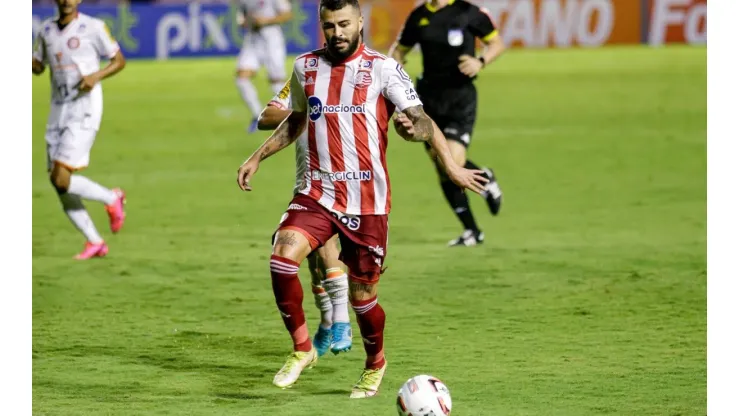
(588, 296)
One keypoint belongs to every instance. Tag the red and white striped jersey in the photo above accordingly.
(349, 106)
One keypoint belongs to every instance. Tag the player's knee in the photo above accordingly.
(291, 245)
(360, 290)
(60, 178)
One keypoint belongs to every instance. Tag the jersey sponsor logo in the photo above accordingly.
(342, 176)
(455, 37)
(403, 73)
(366, 65)
(377, 250)
(316, 108)
(411, 94)
(73, 42)
(363, 79)
(312, 63)
(350, 221)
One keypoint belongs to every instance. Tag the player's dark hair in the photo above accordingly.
(338, 4)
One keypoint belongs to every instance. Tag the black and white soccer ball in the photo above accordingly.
(424, 396)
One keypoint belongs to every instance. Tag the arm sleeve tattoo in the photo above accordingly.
(286, 133)
(423, 128)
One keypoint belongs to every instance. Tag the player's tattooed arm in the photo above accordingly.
(271, 117)
(423, 129)
(286, 133)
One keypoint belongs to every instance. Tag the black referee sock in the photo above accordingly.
(458, 200)
(470, 165)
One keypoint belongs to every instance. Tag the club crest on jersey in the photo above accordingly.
(312, 64)
(455, 37)
(363, 79)
(73, 42)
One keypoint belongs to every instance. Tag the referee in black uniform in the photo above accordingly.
(447, 30)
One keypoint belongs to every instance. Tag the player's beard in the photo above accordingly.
(340, 55)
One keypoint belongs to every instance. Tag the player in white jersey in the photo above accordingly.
(72, 46)
(263, 45)
(328, 279)
(344, 95)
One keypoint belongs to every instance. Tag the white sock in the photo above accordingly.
(322, 301)
(87, 189)
(249, 95)
(75, 210)
(277, 86)
(337, 286)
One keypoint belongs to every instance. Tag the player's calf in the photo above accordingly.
(290, 248)
(371, 320)
(337, 287)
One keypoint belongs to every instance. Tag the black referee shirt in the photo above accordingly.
(445, 34)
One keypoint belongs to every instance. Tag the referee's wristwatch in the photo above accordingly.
(482, 61)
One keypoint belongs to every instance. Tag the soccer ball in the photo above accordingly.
(424, 396)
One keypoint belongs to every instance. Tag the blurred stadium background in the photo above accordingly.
(589, 296)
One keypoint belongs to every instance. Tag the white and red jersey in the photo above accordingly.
(71, 53)
(349, 106)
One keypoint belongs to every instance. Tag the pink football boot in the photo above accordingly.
(116, 214)
(93, 250)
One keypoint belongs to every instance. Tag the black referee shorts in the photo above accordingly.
(453, 109)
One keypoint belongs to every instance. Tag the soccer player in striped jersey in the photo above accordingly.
(328, 279)
(344, 95)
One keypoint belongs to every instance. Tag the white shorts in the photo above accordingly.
(266, 48)
(69, 146)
